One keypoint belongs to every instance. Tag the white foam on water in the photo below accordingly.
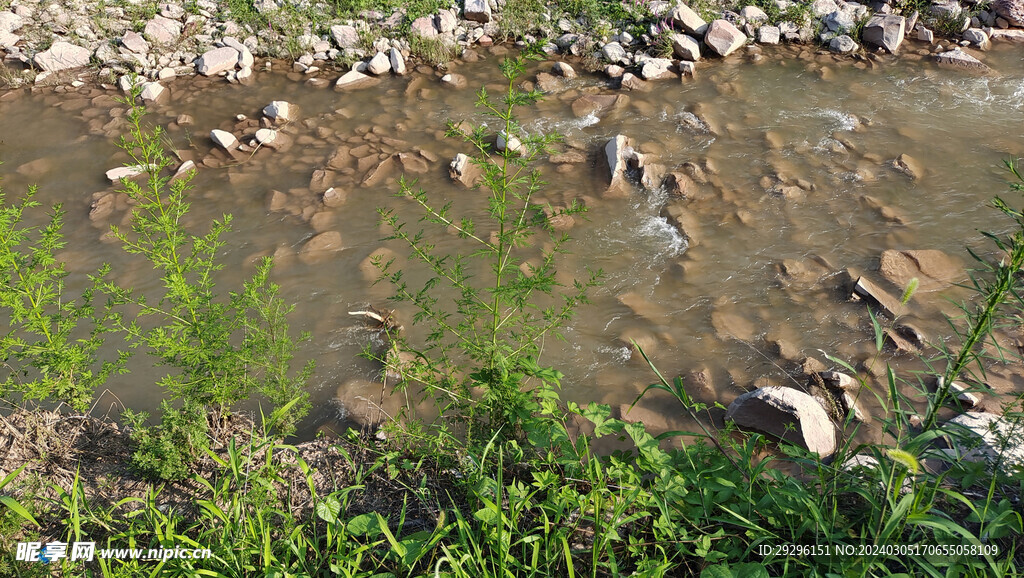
(656, 233)
(618, 354)
(839, 120)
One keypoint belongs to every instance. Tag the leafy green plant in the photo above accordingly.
(489, 339)
(222, 351)
(52, 350)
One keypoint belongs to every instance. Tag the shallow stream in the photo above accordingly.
(795, 152)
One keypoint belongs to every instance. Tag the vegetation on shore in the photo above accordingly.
(506, 481)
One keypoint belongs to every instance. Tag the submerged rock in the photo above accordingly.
(934, 269)
(957, 58)
(787, 414)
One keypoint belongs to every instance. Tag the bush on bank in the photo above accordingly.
(507, 481)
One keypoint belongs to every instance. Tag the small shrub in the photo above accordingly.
(221, 351)
(52, 350)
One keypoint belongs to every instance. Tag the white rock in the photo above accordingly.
(116, 174)
(151, 91)
(787, 414)
(510, 142)
(379, 64)
(166, 73)
(266, 136)
(753, 14)
(223, 139)
(689, 20)
(656, 69)
(218, 60)
(135, 42)
(125, 82)
(9, 22)
(352, 79)
(63, 56)
(279, 111)
(397, 61)
(345, 36)
(184, 169)
(477, 11)
(8, 39)
(769, 34)
(988, 436)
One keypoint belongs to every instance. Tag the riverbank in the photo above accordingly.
(52, 43)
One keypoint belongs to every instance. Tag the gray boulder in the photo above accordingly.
(787, 414)
(885, 31)
(843, 45)
(1010, 10)
(723, 38)
(613, 52)
(768, 34)
(63, 56)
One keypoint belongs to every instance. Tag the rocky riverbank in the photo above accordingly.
(51, 43)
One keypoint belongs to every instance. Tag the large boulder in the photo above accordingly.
(684, 17)
(787, 414)
(723, 38)
(885, 31)
(1011, 10)
(218, 60)
(991, 438)
(63, 56)
(477, 11)
(685, 47)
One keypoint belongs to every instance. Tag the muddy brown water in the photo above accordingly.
(755, 288)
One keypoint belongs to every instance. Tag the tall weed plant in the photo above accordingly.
(221, 351)
(482, 348)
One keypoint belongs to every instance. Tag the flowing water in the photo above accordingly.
(794, 153)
